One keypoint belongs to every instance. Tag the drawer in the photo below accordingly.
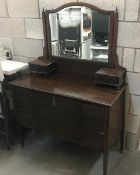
(24, 93)
(33, 102)
(43, 99)
(93, 123)
(59, 115)
(93, 110)
(76, 106)
(26, 106)
(72, 118)
(50, 127)
(83, 137)
(92, 140)
(67, 103)
(39, 97)
(25, 120)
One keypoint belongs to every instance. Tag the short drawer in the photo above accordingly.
(66, 117)
(36, 106)
(68, 104)
(92, 140)
(77, 106)
(43, 99)
(93, 123)
(37, 96)
(93, 110)
(26, 106)
(23, 92)
(25, 120)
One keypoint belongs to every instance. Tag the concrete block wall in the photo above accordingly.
(21, 32)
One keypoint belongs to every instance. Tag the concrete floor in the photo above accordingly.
(48, 156)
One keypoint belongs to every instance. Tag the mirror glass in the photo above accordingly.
(78, 32)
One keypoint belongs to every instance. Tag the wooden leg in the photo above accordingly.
(121, 142)
(105, 162)
(123, 125)
(21, 135)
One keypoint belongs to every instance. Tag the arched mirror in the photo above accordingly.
(81, 32)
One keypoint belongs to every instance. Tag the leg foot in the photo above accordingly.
(105, 163)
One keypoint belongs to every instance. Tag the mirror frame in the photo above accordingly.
(112, 56)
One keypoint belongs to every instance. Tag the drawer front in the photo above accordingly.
(25, 120)
(32, 102)
(24, 93)
(73, 105)
(43, 99)
(93, 123)
(61, 110)
(26, 106)
(84, 115)
(83, 137)
(92, 140)
(61, 116)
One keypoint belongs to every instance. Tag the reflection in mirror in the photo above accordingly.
(79, 32)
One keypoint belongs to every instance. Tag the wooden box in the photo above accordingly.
(42, 66)
(111, 76)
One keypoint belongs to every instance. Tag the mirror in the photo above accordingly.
(79, 32)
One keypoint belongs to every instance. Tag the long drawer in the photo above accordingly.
(60, 109)
(75, 118)
(76, 135)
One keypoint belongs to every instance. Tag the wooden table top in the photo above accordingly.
(70, 87)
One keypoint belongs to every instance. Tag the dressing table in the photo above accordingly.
(68, 103)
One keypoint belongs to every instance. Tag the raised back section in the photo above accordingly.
(79, 66)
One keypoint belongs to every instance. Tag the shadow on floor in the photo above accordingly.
(49, 156)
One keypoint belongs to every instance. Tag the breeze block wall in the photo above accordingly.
(21, 32)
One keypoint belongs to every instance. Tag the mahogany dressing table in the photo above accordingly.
(68, 103)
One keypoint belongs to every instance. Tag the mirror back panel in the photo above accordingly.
(81, 33)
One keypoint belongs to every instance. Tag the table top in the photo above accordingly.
(69, 87)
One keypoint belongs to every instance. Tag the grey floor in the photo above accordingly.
(48, 156)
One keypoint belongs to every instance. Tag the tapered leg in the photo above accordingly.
(121, 142)
(105, 162)
(123, 125)
(21, 135)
